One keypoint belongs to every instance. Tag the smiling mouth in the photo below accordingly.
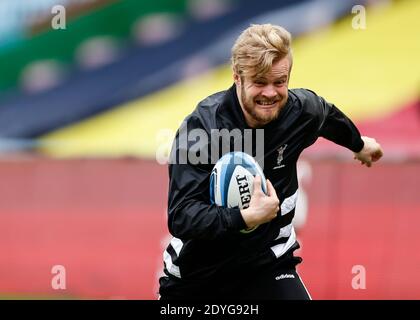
(266, 104)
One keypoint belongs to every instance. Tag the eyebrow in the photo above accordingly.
(274, 79)
(263, 78)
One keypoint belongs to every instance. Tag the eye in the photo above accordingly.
(280, 82)
(259, 82)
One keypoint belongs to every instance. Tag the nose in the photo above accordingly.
(269, 91)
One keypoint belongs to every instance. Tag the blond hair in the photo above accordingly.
(258, 48)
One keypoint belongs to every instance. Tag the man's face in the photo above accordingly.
(262, 98)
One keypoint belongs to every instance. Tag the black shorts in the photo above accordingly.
(279, 284)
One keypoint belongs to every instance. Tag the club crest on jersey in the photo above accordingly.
(280, 156)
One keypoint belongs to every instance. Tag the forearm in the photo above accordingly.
(338, 128)
(199, 220)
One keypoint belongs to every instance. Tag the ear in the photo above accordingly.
(236, 78)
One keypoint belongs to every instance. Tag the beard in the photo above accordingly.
(259, 116)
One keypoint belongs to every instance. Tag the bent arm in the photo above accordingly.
(190, 214)
(338, 128)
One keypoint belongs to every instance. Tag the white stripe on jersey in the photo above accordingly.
(170, 266)
(285, 231)
(177, 244)
(281, 248)
(289, 203)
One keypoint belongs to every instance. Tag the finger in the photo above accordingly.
(377, 155)
(257, 184)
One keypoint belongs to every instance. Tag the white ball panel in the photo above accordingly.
(240, 188)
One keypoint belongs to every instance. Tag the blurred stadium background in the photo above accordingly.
(85, 109)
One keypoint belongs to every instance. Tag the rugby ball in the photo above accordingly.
(232, 181)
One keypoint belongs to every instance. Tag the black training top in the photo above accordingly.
(207, 244)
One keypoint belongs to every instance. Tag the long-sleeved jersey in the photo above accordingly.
(207, 243)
